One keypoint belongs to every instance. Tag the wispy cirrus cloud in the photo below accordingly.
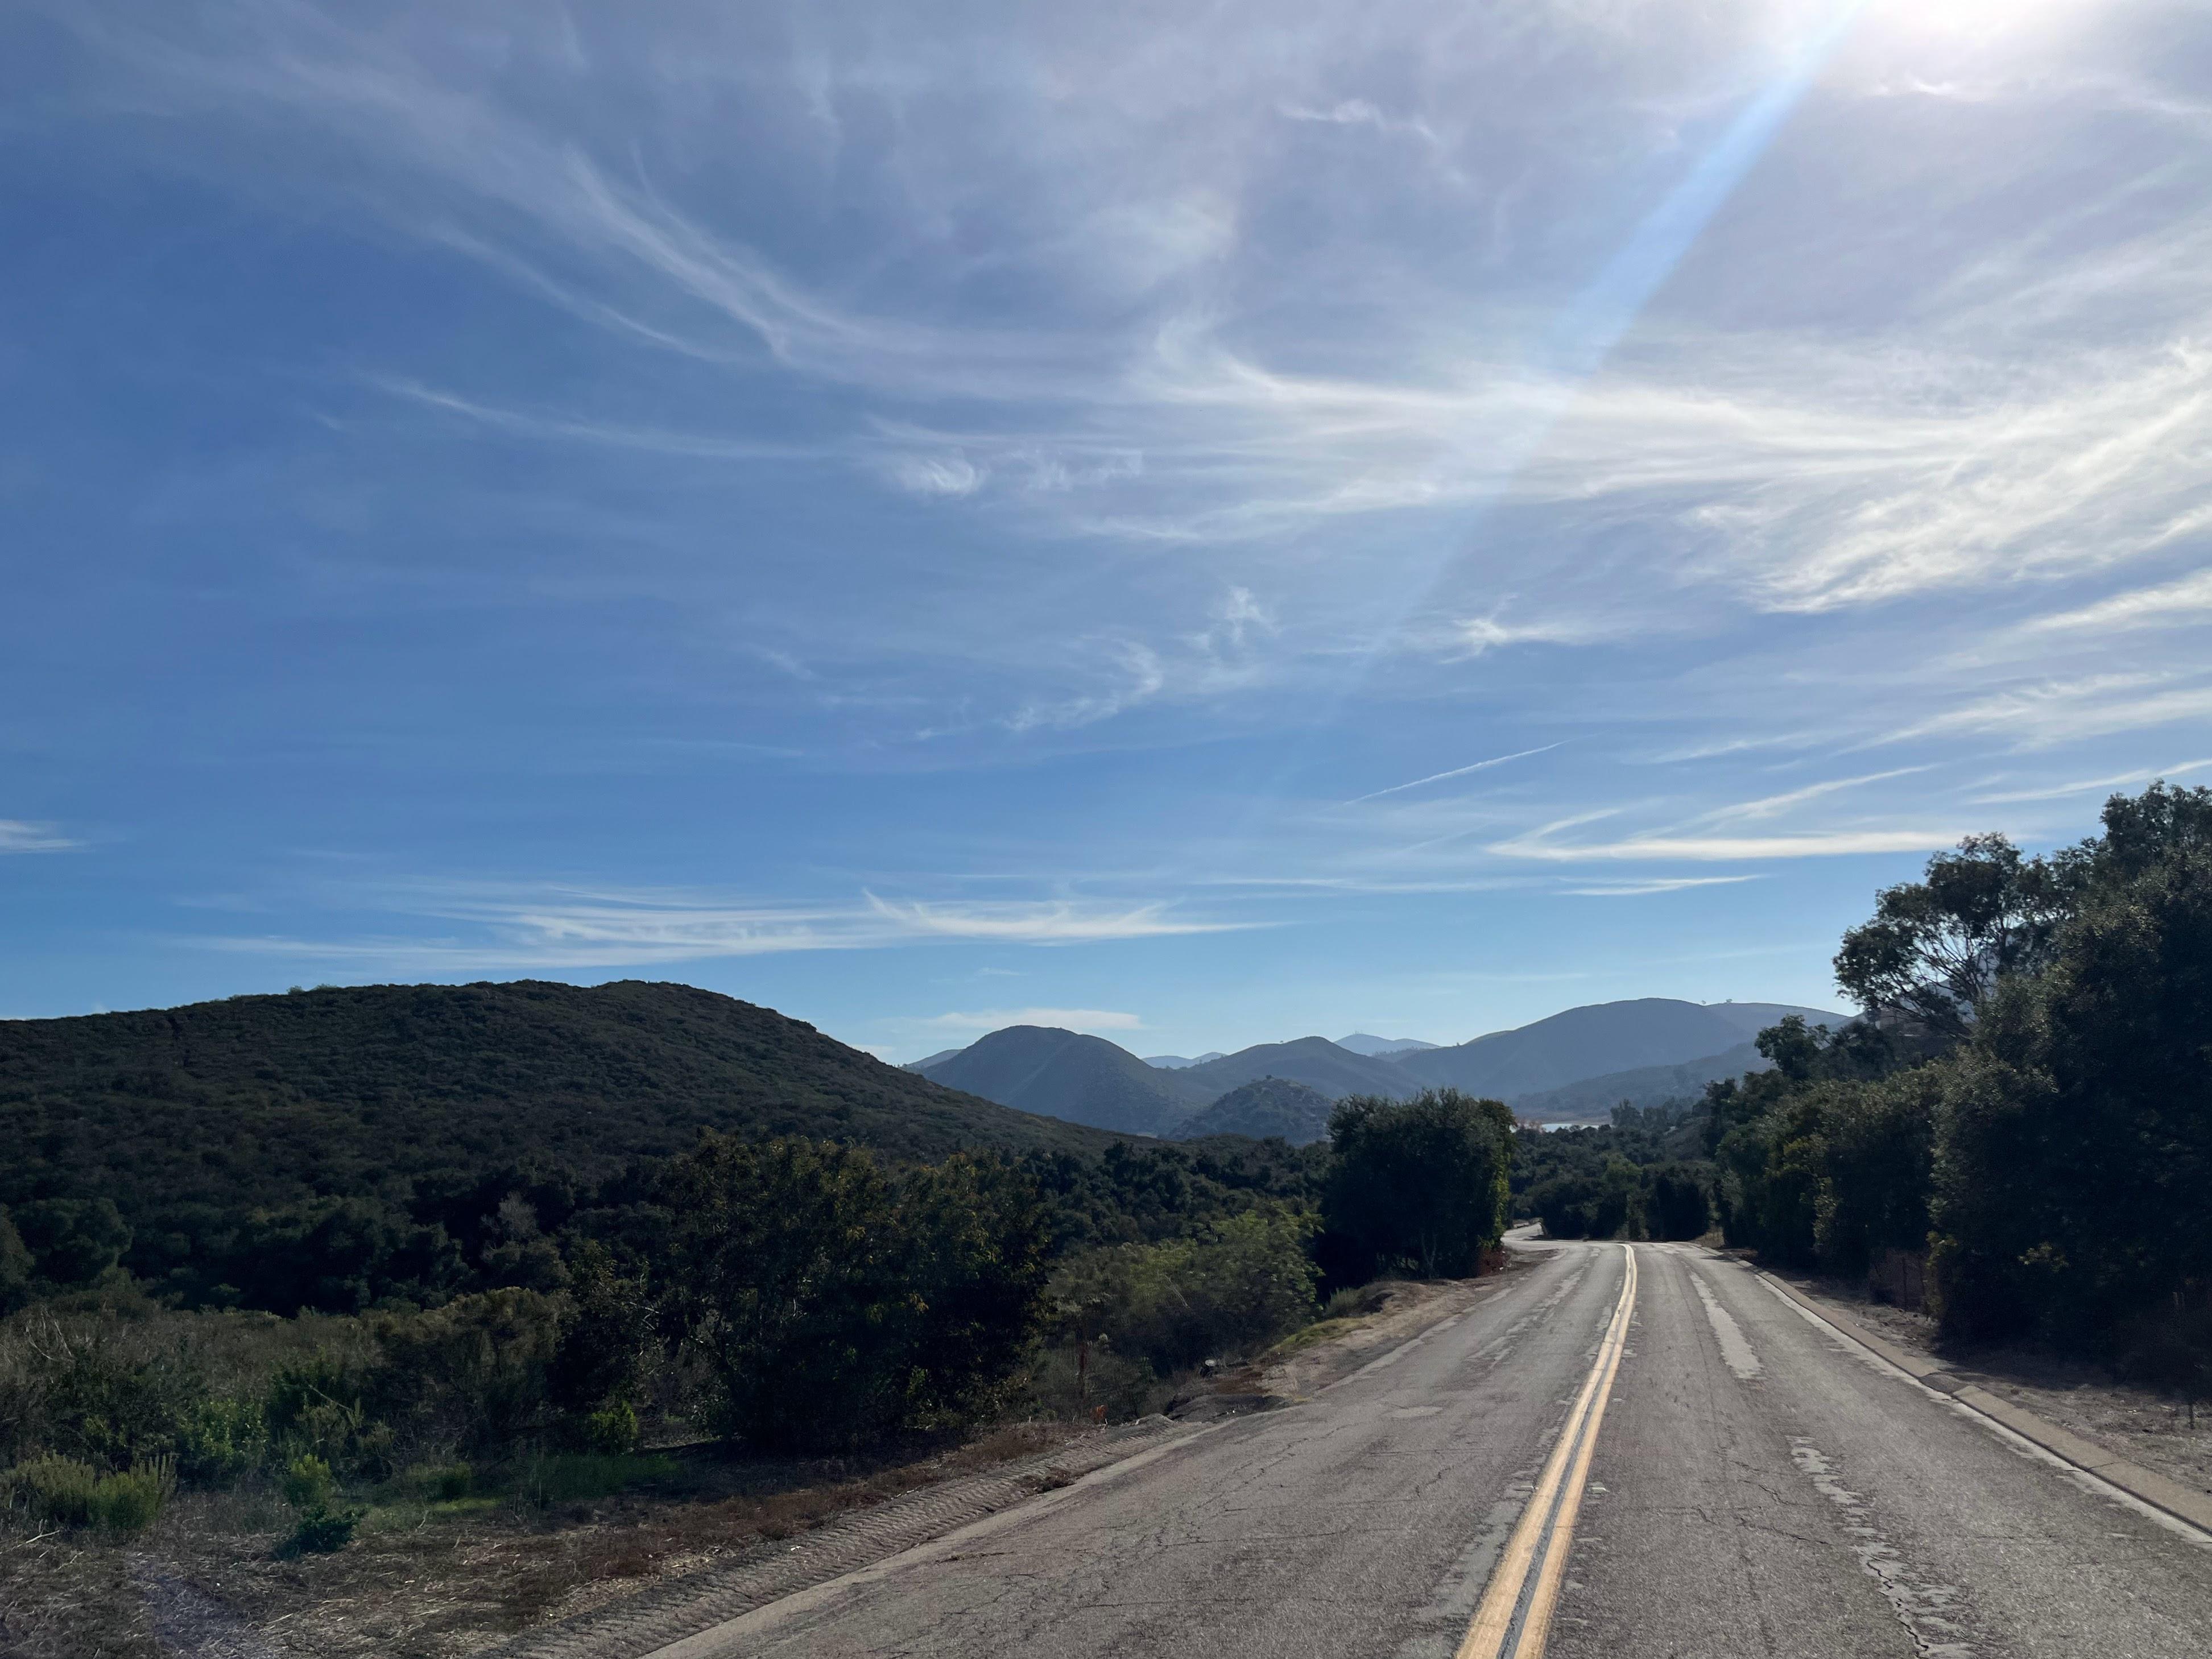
(1771, 806)
(2089, 786)
(1655, 884)
(22, 835)
(575, 927)
(1540, 845)
(2186, 602)
(1805, 471)
(2047, 713)
(1052, 922)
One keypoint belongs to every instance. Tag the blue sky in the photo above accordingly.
(1203, 525)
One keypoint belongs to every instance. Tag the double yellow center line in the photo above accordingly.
(1517, 1609)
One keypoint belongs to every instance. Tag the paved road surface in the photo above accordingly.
(1756, 1485)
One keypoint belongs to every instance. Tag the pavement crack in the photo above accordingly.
(1935, 1616)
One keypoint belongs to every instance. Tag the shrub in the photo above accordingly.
(95, 1399)
(612, 1431)
(308, 1484)
(473, 1373)
(129, 1502)
(321, 1529)
(75, 1494)
(1246, 1282)
(606, 1336)
(221, 1440)
(1419, 1184)
(829, 1304)
(325, 1532)
(316, 1405)
(55, 1488)
(1356, 1302)
(16, 1265)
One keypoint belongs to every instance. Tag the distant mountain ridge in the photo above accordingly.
(1578, 1063)
(1591, 1100)
(1592, 1040)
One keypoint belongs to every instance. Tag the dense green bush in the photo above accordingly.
(318, 1406)
(1227, 1294)
(323, 1527)
(80, 1389)
(1417, 1186)
(474, 1373)
(221, 1440)
(830, 1301)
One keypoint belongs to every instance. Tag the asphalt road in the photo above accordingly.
(1755, 1486)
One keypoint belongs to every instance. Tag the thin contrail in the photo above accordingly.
(1456, 772)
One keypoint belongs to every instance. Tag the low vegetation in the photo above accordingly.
(545, 1376)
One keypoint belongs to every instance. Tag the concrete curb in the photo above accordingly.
(2131, 1477)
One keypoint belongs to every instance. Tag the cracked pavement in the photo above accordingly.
(1806, 1501)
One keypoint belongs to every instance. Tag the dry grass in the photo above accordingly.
(427, 1580)
(67, 1596)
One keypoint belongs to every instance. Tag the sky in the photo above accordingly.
(1200, 525)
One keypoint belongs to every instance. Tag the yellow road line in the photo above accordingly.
(1516, 1612)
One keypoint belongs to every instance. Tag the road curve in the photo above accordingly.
(1756, 1484)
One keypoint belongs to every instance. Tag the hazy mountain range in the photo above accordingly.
(1573, 1066)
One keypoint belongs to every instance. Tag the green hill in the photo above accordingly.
(1266, 1106)
(266, 1100)
(1084, 1079)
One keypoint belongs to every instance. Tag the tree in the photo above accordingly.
(1418, 1185)
(831, 1303)
(1935, 949)
(2074, 1141)
(73, 1239)
(1675, 1202)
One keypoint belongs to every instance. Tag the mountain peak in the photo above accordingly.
(1361, 1042)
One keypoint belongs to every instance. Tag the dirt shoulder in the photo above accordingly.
(1302, 1365)
(2078, 1396)
(425, 1580)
